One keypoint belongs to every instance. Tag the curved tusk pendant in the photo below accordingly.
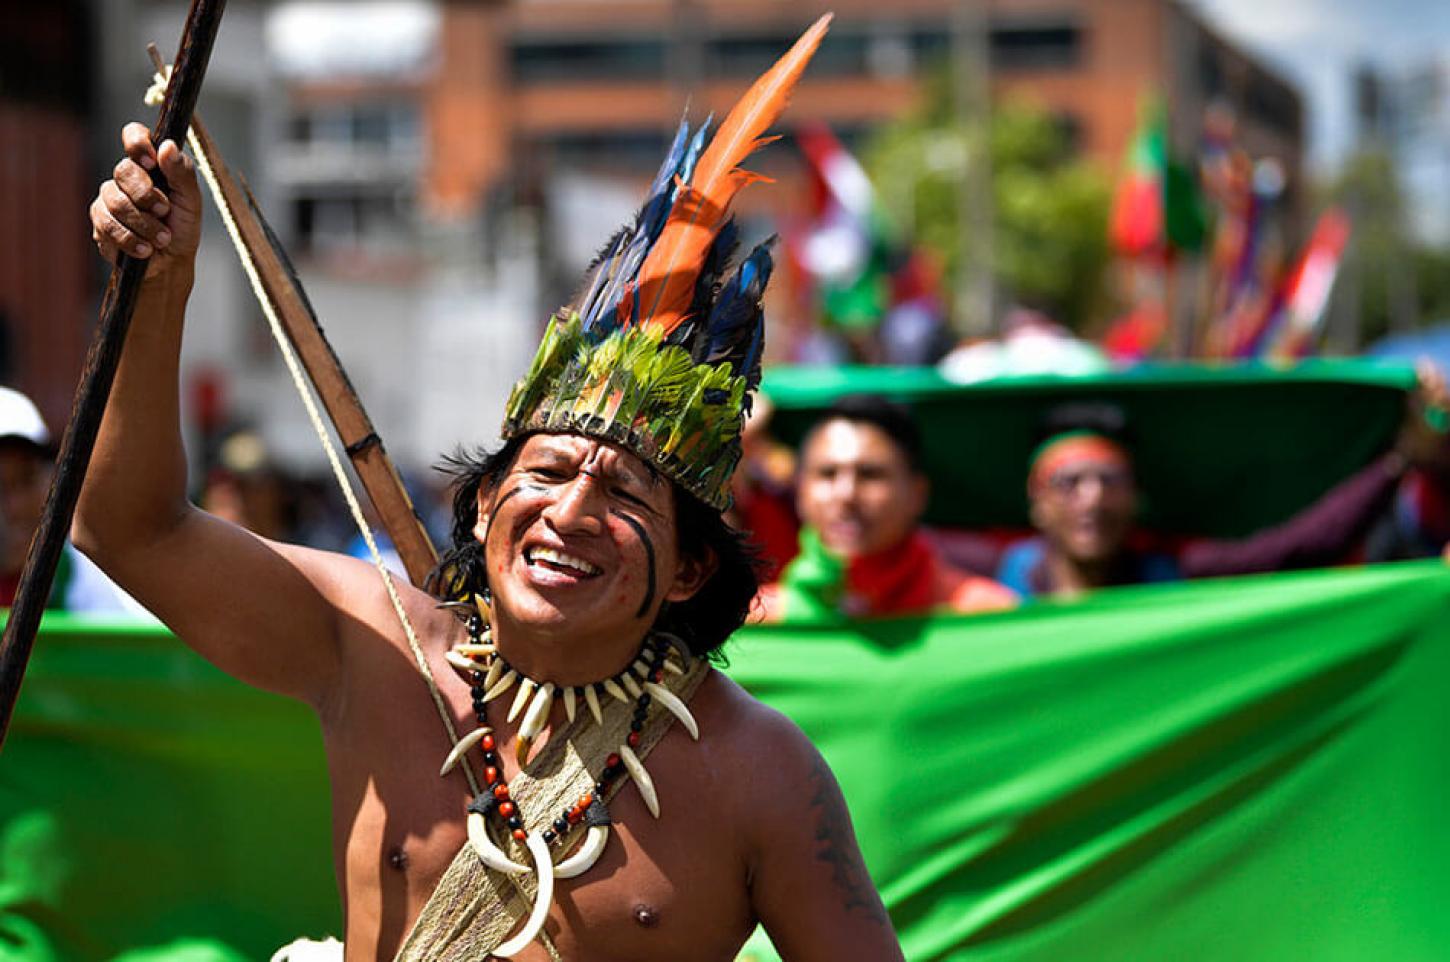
(502, 685)
(481, 607)
(533, 722)
(526, 688)
(592, 700)
(488, 853)
(544, 869)
(614, 689)
(475, 651)
(461, 661)
(641, 779)
(584, 859)
(460, 749)
(569, 704)
(495, 672)
(630, 685)
(673, 668)
(676, 707)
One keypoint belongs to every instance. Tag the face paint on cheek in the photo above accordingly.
(493, 512)
(649, 554)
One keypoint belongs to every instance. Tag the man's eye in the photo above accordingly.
(548, 474)
(633, 499)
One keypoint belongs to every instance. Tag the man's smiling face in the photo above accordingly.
(580, 534)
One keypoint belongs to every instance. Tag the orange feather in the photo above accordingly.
(667, 276)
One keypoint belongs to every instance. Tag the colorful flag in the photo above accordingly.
(847, 246)
(1305, 294)
(1157, 208)
(866, 278)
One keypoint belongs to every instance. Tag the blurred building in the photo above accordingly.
(598, 84)
(441, 172)
(1407, 113)
(47, 264)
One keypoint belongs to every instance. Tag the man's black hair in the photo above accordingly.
(894, 420)
(1094, 417)
(703, 622)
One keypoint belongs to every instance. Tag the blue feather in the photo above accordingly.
(651, 220)
(687, 168)
(615, 270)
(734, 331)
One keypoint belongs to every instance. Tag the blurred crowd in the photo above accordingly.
(838, 522)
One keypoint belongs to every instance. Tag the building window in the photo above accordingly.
(1036, 47)
(630, 150)
(842, 52)
(358, 221)
(533, 61)
(1015, 46)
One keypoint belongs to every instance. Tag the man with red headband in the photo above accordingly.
(1083, 501)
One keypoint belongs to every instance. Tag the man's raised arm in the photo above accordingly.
(257, 609)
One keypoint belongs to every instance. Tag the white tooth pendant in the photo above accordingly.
(630, 685)
(673, 668)
(641, 778)
(592, 700)
(502, 685)
(533, 722)
(614, 690)
(641, 669)
(481, 607)
(495, 671)
(475, 651)
(584, 859)
(461, 661)
(676, 707)
(460, 749)
(544, 869)
(488, 853)
(526, 688)
(569, 703)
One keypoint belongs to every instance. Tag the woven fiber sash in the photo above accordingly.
(474, 909)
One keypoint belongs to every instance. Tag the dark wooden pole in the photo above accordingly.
(364, 447)
(104, 355)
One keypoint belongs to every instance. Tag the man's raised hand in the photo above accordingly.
(131, 214)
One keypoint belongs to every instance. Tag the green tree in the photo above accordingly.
(1399, 282)
(1050, 247)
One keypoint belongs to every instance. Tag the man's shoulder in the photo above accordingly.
(744, 724)
(967, 591)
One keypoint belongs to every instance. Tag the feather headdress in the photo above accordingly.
(663, 348)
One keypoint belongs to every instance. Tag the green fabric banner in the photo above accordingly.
(1209, 441)
(1249, 769)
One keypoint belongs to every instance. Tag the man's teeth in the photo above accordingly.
(561, 559)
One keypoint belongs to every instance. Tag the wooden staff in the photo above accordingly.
(37, 576)
(364, 447)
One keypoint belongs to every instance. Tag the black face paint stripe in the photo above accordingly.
(493, 512)
(649, 553)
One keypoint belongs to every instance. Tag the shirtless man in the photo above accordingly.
(753, 826)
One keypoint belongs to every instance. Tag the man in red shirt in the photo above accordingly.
(861, 495)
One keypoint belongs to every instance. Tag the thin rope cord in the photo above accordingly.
(304, 391)
(299, 380)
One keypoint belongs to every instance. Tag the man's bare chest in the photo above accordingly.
(657, 892)
(667, 888)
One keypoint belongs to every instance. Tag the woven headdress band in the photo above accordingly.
(662, 351)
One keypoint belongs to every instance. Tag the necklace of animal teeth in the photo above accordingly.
(489, 677)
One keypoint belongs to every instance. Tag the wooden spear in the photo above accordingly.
(364, 447)
(36, 578)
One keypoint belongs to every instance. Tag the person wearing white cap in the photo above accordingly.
(27, 460)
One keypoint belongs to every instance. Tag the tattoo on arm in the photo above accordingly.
(835, 844)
